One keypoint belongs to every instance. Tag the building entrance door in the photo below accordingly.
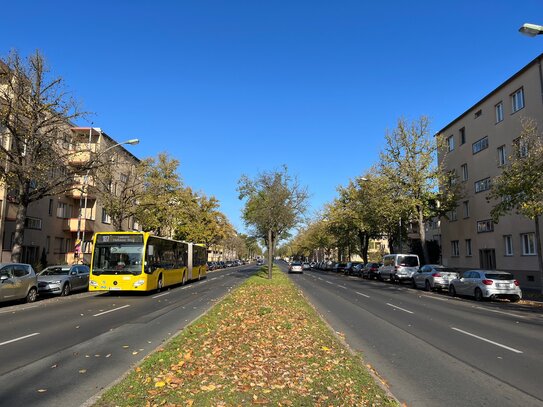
(487, 258)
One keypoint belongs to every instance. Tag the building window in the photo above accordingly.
(450, 143)
(105, 217)
(502, 157)
(33, 223)
(64, 210)
(499, 112)
(50, 207)
(517, 100)
(478, 113)
(508, 244)
(468, 247)
(484, 226)
(521, 147)
(59, 245)
(465, 207)
(528, 244)
(453, 215)
(482, 185)
(464, 169)
(455, 249)
(480, 145)
(452, 178)
(462, 135)
(124, 178)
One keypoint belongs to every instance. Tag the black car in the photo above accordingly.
(339, 267)
(350, 268)
(370, 270)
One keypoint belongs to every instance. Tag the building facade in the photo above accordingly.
(476, 145)
(54, 225)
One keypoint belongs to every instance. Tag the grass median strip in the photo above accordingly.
(263, 344)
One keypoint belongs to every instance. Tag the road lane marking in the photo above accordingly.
(211, 279)
(341, 286)
(111, 310)
(162, 295)
(363, 295)
(501, 312)
(487, 340)
(329, 282)
(401, 309)
(435, 298)
(19, 339)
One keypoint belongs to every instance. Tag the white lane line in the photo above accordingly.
(435, 298)
(19, 339)
(363, 295)
(211, 279)
(162, 295)
(487, 340)
(341, 286)
(401, 309)
(111, 310)
(319, 278)
(501, 312)
(329, 282)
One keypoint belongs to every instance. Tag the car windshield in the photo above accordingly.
(408, 261)
(118, 258)
(55, 271)
(296, 263)
(500, 276)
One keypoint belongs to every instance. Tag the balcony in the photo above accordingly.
(78, 186)
(87, 225)
(82, 153)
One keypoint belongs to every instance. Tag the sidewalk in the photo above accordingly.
(261, 345)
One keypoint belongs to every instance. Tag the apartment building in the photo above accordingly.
(53, 224)
(477, 144)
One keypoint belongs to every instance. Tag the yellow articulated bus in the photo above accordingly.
(139, 261)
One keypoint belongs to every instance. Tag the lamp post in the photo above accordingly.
(531, 30)
(81, 233)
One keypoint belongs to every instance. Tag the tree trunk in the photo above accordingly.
(422, 233)
(18, 240)
(539, 254)
(270, 253)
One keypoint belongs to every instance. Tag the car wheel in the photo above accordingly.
(65, 290)
(32, 295)
(427, 286)
(452, 291)
(514, 299)
(478, 294)
(413, 283)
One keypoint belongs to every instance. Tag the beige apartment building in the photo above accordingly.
(53, 224)
(478, 143)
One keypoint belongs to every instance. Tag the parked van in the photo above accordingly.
(18, 282)
(398, 267)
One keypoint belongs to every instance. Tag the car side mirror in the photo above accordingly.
(73, 273)
(3, 278)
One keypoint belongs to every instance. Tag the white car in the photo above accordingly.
(433, 277)
(486, 284)
(295, 267)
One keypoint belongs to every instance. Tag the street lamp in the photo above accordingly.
(84, 191)
(531, 30)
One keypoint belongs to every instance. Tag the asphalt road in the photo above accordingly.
(63, 351)
(431, 349)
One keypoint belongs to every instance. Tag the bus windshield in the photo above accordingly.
(118, 258)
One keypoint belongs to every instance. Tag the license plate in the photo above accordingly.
(503, 285)
(114, 289)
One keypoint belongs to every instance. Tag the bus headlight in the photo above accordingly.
(93, 283)
(139, 283)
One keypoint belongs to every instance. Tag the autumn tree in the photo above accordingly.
(164, 199)
(416, 180)
(36, 151)
(275, 203)
(519, 187)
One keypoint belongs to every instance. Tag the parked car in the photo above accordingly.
(357, 269)
(295, 267)
(339, 267)
(434, 277)
(18, 281)
(63, 279)
(486, 284)
(370, 271)
(306, 266)
(349, 267)
(399, 267)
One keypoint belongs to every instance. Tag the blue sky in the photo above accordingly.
(238, 87)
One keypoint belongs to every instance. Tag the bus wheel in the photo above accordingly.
(160, 283)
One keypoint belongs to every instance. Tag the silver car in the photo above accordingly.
(433, 277)
(62, 280)
(486, 284)
(295, 267)
(17, 282)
